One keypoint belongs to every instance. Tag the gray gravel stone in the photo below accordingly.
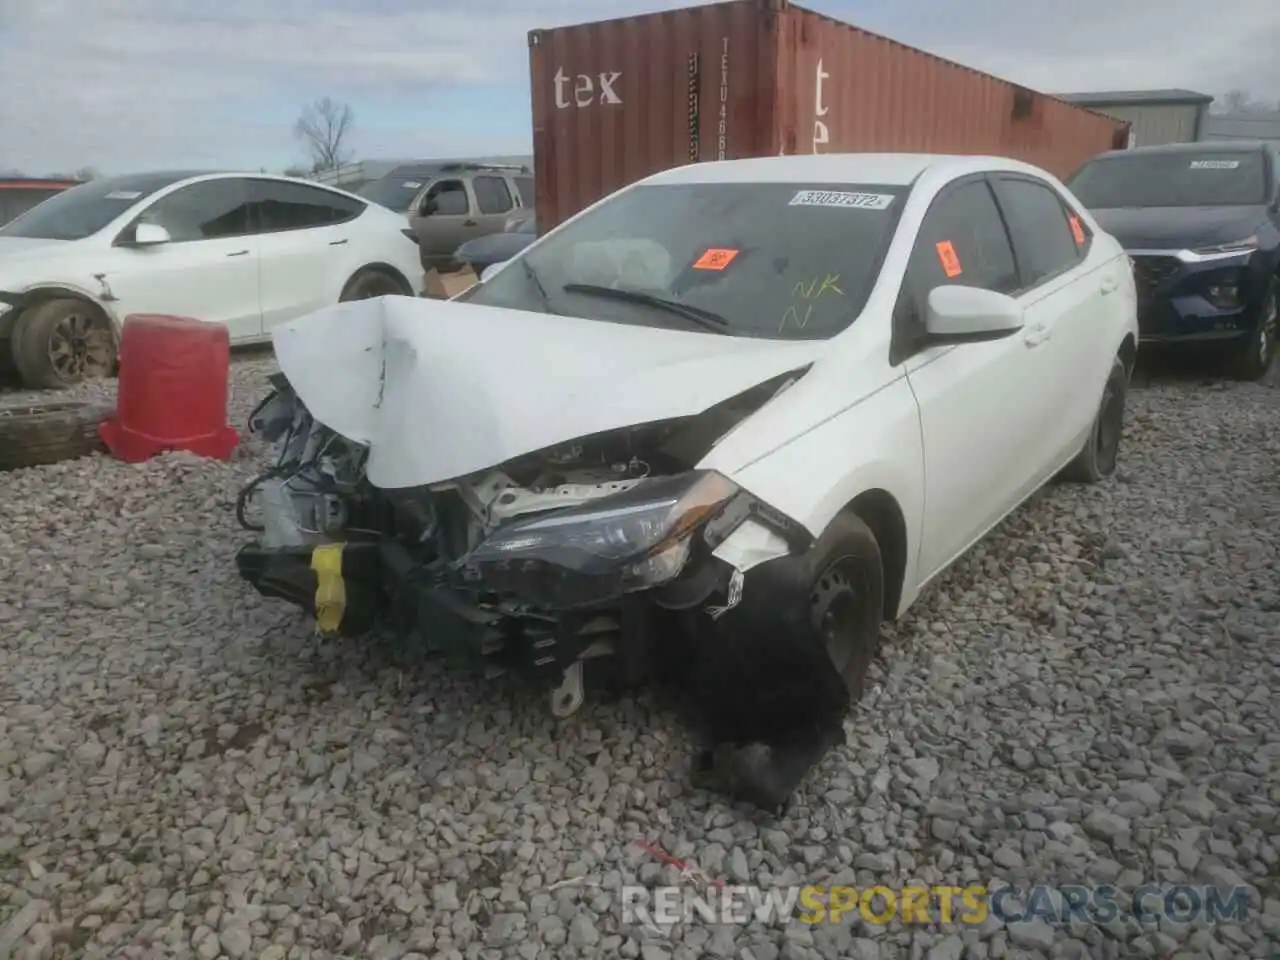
(1089, 696)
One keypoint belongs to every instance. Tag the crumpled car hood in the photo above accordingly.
(439, 390)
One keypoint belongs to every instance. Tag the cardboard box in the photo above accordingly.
(442, 286)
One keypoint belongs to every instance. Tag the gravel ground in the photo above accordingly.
(1090, 697)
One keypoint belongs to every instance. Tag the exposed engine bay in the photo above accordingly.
(587, 560)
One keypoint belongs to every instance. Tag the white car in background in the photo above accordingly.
(782, 395)
(245, 250)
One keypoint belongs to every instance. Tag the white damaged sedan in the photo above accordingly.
(728, 419)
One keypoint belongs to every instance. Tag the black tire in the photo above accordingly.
(60, 343)
(784, 666)
(1256, 355)
(39, 434)
(1097, 460)
(369, 283)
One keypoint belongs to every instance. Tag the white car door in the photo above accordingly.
(305, 237)
(208, 269)
(1065, 295)
(979, 403)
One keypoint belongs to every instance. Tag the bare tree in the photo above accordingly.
(1235, 101)
(86, 173)
(1241, 101)
(324, 127)
(297, 170)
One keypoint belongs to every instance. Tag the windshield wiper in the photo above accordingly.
(707, 319)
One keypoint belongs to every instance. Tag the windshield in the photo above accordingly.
(1213, 178)
(396, 191)
(780, 261)
(84, 210)
(19, 201)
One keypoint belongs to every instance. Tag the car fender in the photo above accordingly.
(20, 297)
(874, 444)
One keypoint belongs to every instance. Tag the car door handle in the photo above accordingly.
(1036, 335)
(469, 223)
(336, 243)
(1109, 285)
(238, 253)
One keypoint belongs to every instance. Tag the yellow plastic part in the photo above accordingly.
(331, 591)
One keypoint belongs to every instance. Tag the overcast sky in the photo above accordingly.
(141, 84)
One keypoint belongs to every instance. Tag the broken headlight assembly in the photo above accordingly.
(637, 539)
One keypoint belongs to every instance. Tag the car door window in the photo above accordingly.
(209, 210)
(525, 187)
(492, 195)
(282, 206)
(962, 241)
(1044, 242)
(449, 199)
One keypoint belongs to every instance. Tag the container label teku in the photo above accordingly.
(948, 258)
(821, 135)
(599, 88)
(838, 198)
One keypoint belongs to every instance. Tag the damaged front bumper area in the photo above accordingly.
(610, 572)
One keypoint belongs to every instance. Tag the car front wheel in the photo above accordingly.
(778, 673)
(372, 283)
(1257, 353)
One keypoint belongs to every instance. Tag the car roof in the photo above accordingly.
(888, 169)
(1200, 147)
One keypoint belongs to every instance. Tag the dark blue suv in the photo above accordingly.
(1201, 223)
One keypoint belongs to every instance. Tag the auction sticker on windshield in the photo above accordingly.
(838, 198)
(1214, 164)
(123, 195)
(715, 259)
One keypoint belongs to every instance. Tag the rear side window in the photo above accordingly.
(1044, 240)
(448, 198)
(492, 195)
(293, 206)
(525, 186)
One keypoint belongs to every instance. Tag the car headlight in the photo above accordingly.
(642, 534)
(1238, 246)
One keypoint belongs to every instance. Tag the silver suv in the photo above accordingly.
(450, 203)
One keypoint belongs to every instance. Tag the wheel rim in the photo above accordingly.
(79, 347)
(837, 607)
(1267, 329)
(1110, 425)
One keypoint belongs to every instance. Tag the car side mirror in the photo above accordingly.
(959, 314)
(491, 269)
(428, 207)
(149, 235)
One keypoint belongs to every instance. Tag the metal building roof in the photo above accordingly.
(1263, 125)
(1136, 98)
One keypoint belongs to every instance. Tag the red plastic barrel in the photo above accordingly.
(172, 390)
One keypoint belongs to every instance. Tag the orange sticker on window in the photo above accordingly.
(1077, 230)
(715, 259)
(947, 257)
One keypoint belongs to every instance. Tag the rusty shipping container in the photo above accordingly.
(618, 100)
